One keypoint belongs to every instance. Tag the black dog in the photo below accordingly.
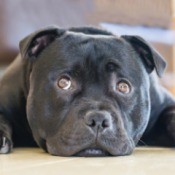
(85, 92)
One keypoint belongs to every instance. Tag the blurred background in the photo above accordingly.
(153, 20)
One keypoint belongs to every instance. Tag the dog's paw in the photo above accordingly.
(5, 144)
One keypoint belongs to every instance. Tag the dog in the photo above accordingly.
(85, 92)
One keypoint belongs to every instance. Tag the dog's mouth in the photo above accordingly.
(93, 152)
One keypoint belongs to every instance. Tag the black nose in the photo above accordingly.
(98, 120)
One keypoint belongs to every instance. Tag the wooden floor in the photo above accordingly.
(34, 161)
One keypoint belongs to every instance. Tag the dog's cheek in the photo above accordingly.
(136, 120)
(140, 123)
(34, 118)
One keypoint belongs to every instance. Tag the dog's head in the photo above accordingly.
(87, 90)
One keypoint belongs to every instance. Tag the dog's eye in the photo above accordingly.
(64, 83)
(123, 87)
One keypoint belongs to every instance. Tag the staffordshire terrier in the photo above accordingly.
(85, 92)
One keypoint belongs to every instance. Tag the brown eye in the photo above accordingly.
(123, 87)
(64, 83)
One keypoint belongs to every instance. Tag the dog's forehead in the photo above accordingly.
(90, 53)
(96, 47)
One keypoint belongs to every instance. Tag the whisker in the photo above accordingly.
(143, 142)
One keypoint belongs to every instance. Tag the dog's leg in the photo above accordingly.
(5, 136)
(163, 132)
(168, 119)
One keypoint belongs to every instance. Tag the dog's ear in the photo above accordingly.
(32, 45)
(150, 57)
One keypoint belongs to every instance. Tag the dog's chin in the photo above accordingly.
(92, 152)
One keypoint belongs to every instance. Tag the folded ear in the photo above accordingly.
(33, 45)
(150, 57)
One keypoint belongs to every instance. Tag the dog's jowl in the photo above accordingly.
(85, 92)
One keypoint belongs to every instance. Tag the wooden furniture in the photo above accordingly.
(145, 160)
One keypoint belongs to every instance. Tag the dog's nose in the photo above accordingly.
(98, 120)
